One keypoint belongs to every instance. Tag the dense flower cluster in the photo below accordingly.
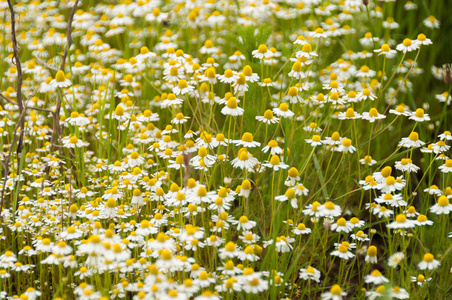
(188, 149)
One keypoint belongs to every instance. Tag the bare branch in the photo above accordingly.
(45, 64)
(16, 57)
(21, 121)
(68, 35)
(56, 114)
(26, 107)
(6, 162)
(7, 100)
(39, 109)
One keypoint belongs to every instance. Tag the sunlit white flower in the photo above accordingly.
(310, 273)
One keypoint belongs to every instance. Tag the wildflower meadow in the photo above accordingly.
(225, 149)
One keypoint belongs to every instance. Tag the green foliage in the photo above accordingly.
(248, 38)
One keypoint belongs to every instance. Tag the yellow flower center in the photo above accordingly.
(428, 257)
(341, 222)
(448, 163)
(375, 273)
(293, 92)
(372, 251)
(401, 218)
(60, 77)
(335, 136)
(421, 218)
(262, 49)
(275, 160)
(166, 255)
(385, 48)
(284, 107)
(407, 42)
(390, 180)
(336, 290)
(350, 113)
(329, 205)
(419, 113)
(230, 247)
(373, 112)
(296, 67)
(443, 201)
(232, 103)
(316, 138)
(247, 71)
(247, 137)
(306, 48)
(346, 143)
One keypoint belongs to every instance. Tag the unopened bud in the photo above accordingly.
(327, 224)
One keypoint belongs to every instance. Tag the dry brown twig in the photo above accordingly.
(56, 115)
(68, 35)
(21, 121)
(22, 108)
(46, 65)
(26, 107)
(6, 164)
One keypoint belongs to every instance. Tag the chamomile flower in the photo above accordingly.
(314, 141)
(375, 277)
(431, 22)
(232, 108)
(442, 206)
(395, 259)
(366, 94)
(346, 146)
(446, 167)
(386, 51)
(349, 115)
(262, 52)
(268, 118)
(267, 83)
(244, 160)
(399, 293)
(297, 71)
(372, 115)
(306, 51)
(419, 116)
(78, 119)
(428, 262)
(310, 273)
(406, 165)
(341, 226)
(335, 293)
(229, 76)
(73, 142)
(360, 236)
(422, 221)
(412, 141)
(423, 40)
(407, 46)
(275, 163)
(446, 135)
(329, 209)
(367, 160)
(401, 110)
(252, 282)
(283, 111)
(365, 72)
(301, 229)
(401, 222)
(420, 279)
(60, 80)
(247, 141)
